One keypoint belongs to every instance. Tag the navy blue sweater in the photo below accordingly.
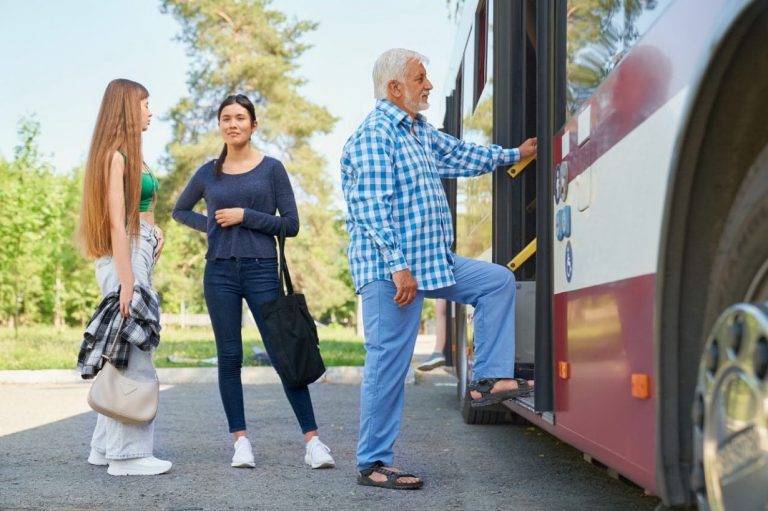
(261, 192)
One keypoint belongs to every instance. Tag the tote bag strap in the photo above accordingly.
(285, 276)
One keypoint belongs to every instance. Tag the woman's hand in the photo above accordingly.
(230, 216)
(160, 242)
(126, 295)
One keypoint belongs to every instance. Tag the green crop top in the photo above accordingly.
(149, 187)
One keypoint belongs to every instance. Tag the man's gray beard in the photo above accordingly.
(415, 106)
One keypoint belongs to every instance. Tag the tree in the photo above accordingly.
(71, 290)
(23, 208)
(44, 278)
(243, 46)
(474, 196)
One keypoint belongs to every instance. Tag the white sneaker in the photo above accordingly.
(435, 360)
(318, 454)
(149, 466)
(243, 457)
(98, 459)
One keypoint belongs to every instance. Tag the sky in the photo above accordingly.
(59, 56)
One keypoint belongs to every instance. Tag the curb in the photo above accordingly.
(346, 375)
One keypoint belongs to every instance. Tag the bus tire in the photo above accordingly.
(469, 414)
(736, 344)
(741, 259)
(475, 416)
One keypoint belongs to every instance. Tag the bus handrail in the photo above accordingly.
(518, 167)
(523, 256)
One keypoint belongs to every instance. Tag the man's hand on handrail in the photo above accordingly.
(527, 148)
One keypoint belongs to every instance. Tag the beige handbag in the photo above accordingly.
(121, 398)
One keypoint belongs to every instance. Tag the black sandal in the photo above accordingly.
(391, 483)
(489, 398)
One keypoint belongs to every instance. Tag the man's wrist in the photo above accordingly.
(395, 260)
(398, 267)
(510, 156)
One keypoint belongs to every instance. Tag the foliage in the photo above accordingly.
(43, 278)
(234, 46)
(246, 47)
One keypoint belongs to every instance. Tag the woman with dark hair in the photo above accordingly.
(117, 229)
(243, 190)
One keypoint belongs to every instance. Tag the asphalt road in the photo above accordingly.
(465, 467)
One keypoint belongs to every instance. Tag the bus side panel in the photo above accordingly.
(605, 335)
(615, 156)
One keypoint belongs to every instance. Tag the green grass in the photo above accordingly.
(43, 347)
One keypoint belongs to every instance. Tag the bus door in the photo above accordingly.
(494, 102)
(515, 201)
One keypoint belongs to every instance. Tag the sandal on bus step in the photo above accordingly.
(391, 482)
(489, 398)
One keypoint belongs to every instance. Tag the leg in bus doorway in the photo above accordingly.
(390, 336)
(490, 289)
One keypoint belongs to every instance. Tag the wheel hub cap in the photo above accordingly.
(729, 413)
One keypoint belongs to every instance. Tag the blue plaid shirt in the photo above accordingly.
(397, 212)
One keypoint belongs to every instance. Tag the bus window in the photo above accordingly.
(481, 43)
(474, 196)
(599, 34)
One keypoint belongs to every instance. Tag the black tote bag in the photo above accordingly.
(296, 346)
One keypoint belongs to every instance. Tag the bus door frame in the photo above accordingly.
(550, 116)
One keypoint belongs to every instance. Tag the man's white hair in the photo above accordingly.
(391, 66)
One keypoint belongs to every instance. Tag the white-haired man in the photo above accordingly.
(401, 234)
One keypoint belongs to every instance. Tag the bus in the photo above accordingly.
(638, 234)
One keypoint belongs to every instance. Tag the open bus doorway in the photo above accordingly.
(495, 216)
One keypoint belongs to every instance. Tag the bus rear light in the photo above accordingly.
(641, 386)
(563, 370)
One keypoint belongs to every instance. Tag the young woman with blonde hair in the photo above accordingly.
(117, 228)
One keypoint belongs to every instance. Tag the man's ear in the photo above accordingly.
(394, 89)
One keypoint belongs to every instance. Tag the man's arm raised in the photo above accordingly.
(458, 158)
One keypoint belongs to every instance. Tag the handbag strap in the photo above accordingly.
(111, 348)
(285, 276)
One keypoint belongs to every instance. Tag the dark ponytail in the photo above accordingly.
(243, 101)
(220, 161)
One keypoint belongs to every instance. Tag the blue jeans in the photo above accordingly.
(226, 283)
(390, 336)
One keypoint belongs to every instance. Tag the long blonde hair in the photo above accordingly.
(118, 128)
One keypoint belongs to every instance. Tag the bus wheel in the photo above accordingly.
(730, 441)
(498, 415)
(729, 413)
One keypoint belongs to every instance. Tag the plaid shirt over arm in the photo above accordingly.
(397, 213)
(141, 328)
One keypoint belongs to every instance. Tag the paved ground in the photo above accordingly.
(465, 467)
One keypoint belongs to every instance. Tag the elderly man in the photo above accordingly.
(401, 234)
